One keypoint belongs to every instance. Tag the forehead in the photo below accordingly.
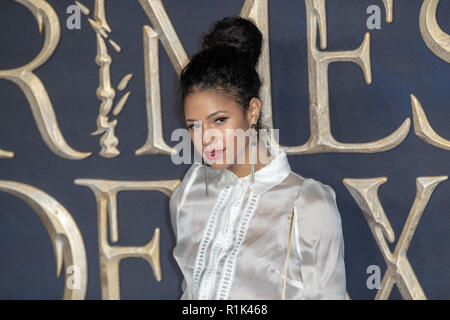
(200, 104)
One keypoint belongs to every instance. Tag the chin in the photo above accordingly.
(219, 166)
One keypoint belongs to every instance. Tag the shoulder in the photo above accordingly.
(317, 208)
(187, 180)
(179, 194)
(190, 174)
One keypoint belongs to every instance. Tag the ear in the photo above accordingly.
(254, 110)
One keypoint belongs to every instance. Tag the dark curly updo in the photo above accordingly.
(227, 62)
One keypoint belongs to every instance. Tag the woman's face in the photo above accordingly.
(216, 122)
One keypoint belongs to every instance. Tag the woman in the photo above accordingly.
(238, 234)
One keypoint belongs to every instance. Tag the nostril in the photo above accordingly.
(206, 142)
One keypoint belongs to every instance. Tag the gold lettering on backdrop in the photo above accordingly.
(389, 7)
(399, 270)
(33, 88)
(155, 143)
(321, 139)
(105, 92)
(164, 31)
(67, 241)
(439, 43)
(422, 127)
(83, 8)
(436, 40)
(105, 192)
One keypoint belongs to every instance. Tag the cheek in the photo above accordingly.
(236, 143)
(196, 141)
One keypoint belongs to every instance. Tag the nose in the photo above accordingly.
(207, 138)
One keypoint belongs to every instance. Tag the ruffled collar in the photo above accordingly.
(265, 178)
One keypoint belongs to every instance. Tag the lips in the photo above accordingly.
(214, 153)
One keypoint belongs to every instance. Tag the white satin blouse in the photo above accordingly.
(232, 243)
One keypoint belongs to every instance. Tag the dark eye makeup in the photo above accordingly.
(221, 119)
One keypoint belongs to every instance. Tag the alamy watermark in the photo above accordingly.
(374, 20)
(73, 21)
(74, 280)
(373, 281)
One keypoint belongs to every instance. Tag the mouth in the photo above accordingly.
(214, 153)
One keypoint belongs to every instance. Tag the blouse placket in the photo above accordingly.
(225, 245)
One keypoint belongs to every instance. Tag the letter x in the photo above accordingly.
(399, 270)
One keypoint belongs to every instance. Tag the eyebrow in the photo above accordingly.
(211, 115)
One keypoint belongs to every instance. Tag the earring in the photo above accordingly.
(253, 141)
(206, 178)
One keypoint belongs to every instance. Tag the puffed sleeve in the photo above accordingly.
(320, 243)
(178, 196)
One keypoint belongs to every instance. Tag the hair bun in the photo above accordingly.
(236, 32)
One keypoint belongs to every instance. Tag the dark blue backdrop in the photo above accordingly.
(401, 64)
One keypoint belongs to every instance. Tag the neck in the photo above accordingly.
(243, 169)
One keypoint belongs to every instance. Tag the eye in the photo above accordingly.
(220, 120)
